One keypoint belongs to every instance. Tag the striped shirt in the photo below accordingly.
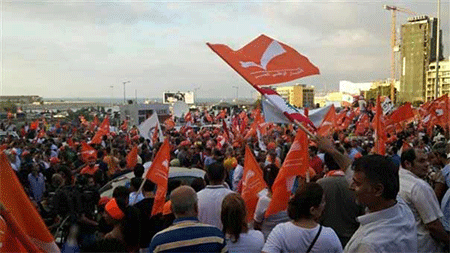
(189, 235)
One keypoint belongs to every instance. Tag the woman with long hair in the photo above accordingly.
(239, 237)
(304, 233)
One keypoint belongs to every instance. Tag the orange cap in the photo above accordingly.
(113, 210)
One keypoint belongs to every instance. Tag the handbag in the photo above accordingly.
(315, 239)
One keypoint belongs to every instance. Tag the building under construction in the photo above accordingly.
(418, 50)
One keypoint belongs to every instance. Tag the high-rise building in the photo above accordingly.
(444, 79)
(418, 50)
(298, 95)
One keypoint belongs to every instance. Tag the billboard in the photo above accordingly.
(172, 97)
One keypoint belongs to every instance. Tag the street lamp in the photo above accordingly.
(124, 99)
(112, 95)
(237, 92)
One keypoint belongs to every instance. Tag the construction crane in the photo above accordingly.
(394, 10)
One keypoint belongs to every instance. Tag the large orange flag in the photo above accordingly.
(295, 164)
(402, 113)
(380, 133)
(158, 173)
(25, 218)
(266, 61)
(252, 183)
(328, 123)
(132, 157)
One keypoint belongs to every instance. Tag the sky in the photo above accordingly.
(67, 49)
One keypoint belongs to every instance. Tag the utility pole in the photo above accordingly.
(112, 91)
(124, 98)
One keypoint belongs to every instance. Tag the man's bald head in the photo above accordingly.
(184, 201)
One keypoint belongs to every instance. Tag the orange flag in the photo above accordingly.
(295, 164)
(208, 117)
(266, 61)
(380, 134)
(70, 142)
(34, 125)
(158, 173)
(402, 113)
(132, 158)
(103, 130)
(24, 215)
(87, 151)
(124, 126)
(328, 123)
(252, 183)
(169, 123)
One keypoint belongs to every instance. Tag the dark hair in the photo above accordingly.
(380, 169)
(233, 216)
(270, 173)
(330, 162)
(408, 155)
(136, 182)
(440, 149)
(198, 184)
(149, 186)
(305, 197)
(106, 245)
(139, 170)
(121, 192)
(215, 172)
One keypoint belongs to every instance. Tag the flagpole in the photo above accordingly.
(312, 136)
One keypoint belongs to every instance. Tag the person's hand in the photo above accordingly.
(325, 144)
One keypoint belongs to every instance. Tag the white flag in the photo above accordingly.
(147, 128)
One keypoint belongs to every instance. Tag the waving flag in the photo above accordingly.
(132, 157)
(24, 225)
(158, 173)
(289, 112)
(149, 126)
(402, 113)
(103, 130)
(252, 183)
(295, 164)
(87, 151)
(328, 123)
(265, 61)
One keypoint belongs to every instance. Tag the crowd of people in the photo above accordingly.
(353, 200)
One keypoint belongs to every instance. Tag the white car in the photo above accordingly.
(186, 175)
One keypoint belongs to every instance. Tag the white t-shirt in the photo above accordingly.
(388, 230)
(210, 204)
(424, 205)
(287, 237)
(270, 222)
(252, 241)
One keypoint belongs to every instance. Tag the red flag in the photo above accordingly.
(328, 123)
(96, 121)
(169, 123)
(70, 142)
(155, 136)
(252, 183)
(225, 129)
(103, 130)
(188, 117)
(208, 117)
(158, 173)
(295, 164)
(87, 151)
(402, 113)
(362, 125)
(380, 134)
(27, 219)
(124, 126)
(266, 61)
(132, 157)
(34, 125)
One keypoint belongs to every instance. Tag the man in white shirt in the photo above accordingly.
(210, 199)
(389, 225)
(422, 200)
